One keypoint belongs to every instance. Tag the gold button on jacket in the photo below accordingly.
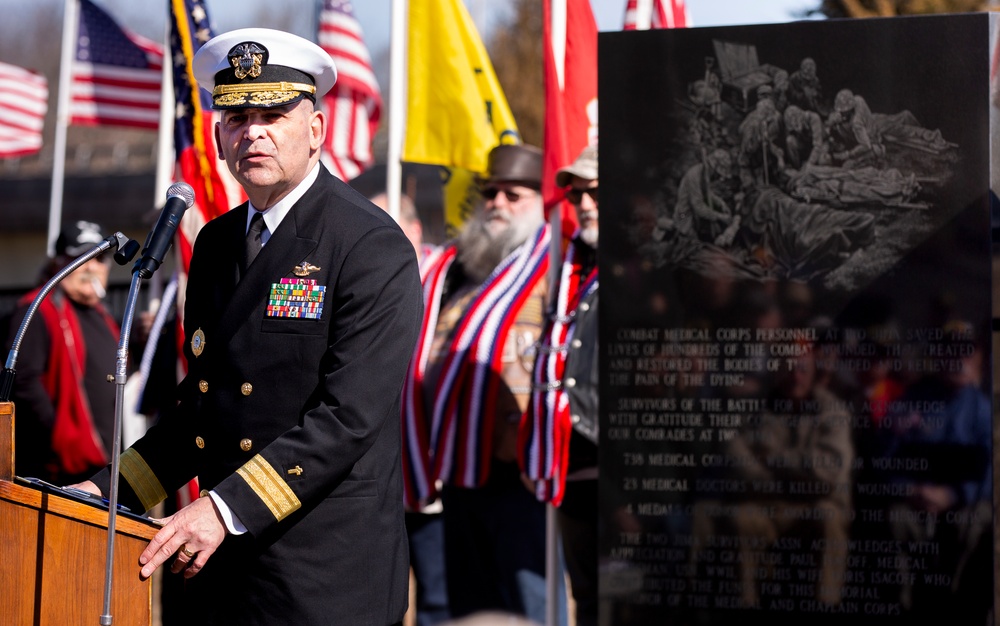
(246, 444)
(246, 389)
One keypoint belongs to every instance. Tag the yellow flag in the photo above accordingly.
(460, 192)
(456, 111)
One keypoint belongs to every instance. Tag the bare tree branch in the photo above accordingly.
(516, 52)
(891, 8)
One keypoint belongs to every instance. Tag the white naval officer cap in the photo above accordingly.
(261, 68)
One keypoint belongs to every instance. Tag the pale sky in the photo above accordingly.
(148, 17)
(374, 15)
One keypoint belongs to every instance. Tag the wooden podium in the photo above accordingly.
(52, 566)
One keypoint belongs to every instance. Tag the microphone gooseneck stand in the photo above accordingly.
(180, 197)
(121, 371)
(118, 241)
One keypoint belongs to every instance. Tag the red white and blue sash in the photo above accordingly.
(466, 393)
(418, 485)
(543, 438)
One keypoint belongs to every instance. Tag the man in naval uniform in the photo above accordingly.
(298, 329)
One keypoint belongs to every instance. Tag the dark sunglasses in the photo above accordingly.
(575, 196)
(491, 193)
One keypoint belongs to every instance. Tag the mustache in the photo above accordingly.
(255, 149)
(499, 214)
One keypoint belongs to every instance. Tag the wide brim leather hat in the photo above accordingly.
(262, 68)
(520, 164)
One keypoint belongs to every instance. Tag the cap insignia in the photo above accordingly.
(247, 58)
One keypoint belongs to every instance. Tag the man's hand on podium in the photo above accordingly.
(192, 534)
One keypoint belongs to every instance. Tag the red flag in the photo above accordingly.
(354, 106)
(570, 51)
(116, 74)
(663, 14)
(24, 96)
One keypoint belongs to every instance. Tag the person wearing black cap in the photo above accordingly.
(468, 387)
(301, 313)
(65, 407)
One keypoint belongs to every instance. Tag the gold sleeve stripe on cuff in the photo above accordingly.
(273, 491)
(142, 479)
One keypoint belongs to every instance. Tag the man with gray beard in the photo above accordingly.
(493, 233)
(468, 386)
(564, 399)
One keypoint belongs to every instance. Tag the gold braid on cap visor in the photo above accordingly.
(259, 93)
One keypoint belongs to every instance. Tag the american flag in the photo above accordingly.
(665, 14)
(116, 74)
(354, 105)
(24, 98)
(215, 190)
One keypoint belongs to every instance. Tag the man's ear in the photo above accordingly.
(317, 128)
(218, 142)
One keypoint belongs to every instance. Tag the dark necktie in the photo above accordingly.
(253, 237)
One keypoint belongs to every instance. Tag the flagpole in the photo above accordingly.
(552, 561)
(552, 571)
(643, 14)
(164, 152)
(71, 10)
(397, 108)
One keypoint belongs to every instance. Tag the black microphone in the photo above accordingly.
(180, 196)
